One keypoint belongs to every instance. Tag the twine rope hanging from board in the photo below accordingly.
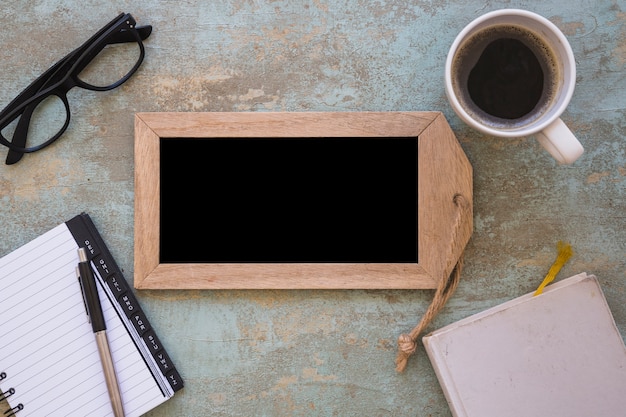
(407, 343)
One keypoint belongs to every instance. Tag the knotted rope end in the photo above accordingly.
(406, 347)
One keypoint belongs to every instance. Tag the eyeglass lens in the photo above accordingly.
(48, 118)
(111, 65)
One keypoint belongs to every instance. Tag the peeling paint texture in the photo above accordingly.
(322, 353)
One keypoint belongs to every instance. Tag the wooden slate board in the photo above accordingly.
(442, 172)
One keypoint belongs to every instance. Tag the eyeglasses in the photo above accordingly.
(107, 60)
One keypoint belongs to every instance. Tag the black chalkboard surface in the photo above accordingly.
(284, 200)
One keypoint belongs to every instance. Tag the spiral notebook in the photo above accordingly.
(49, 361)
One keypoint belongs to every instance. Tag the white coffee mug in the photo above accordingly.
(494, 84)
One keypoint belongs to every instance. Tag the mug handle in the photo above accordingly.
(560, 142)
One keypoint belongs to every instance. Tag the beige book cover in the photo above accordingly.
(555, 354)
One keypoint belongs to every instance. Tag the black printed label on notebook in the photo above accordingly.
(129, 304)
(176, 382)
(152, 341)
(140, 322)
(117, 288)
(164, 362)
(102, 266)
(83, 237)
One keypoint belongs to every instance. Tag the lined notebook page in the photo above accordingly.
(47, 347)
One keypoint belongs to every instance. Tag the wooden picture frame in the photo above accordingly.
(443, 173)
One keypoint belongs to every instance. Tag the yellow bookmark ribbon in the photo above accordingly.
(564, 253)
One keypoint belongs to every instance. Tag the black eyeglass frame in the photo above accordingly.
(59, 79)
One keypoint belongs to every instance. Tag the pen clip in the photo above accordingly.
(82, 291)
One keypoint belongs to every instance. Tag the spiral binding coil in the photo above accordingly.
(6, 394)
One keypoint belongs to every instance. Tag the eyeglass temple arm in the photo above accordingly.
(20, 135)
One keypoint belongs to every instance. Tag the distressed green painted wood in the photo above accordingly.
(322, 353)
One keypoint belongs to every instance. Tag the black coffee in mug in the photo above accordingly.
(507, 80)
(505, 75)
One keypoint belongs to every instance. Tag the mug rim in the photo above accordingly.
(542, 122)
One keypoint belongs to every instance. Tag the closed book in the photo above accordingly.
(559, 353)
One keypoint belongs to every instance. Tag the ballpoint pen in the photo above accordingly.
(94, 310)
